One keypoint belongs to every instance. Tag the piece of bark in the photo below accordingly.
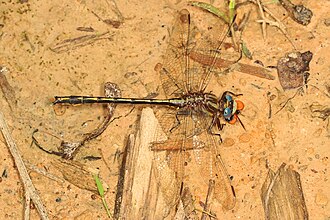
(299, 13)
(7, 90)
(293, 69)
(222, 63)
(141, 197)
(282, 195)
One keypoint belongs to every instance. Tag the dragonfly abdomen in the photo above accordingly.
(75, 100)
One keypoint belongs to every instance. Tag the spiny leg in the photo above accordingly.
(177, 124)
(216, 122)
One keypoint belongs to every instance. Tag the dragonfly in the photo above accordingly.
(192, 118)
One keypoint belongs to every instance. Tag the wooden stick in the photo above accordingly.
(208, 200)
(27, 183)
(263, 24)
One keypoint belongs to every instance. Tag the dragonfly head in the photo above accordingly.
(230, 108)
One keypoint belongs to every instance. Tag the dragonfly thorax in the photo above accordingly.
(202, 102)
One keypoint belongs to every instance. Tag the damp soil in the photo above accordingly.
(134, 39)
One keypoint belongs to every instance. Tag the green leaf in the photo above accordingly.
(246, 51)
(99, 185)
(101, 192)
(231, 10)
(212, 9)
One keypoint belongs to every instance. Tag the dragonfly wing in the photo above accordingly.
(211, 166)
(173, 152)
(169, 157)
(174, 71)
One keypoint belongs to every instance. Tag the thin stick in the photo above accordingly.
(263, 24)
(27, 206)
(277, 23)
(27, 183)
(209, 197)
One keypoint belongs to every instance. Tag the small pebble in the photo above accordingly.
(273, 135)
(32, 206)
(325, 161)
(270, 135)
(93, 196)
(327, 22)
(260, 124)
(272, 97)
(289, 107)
(245, 138)
(247, 196)
(302, 168)
(318, 132)
(310, 151)
(242, 82)
(58, 199)
(314, 171)
(294, 158)
(228, 142)
(254, 159)
(245, 180)
(4, 173)
(321, 199)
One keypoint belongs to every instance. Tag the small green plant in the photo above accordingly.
(101, 192)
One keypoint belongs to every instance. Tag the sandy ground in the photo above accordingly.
(293, 136)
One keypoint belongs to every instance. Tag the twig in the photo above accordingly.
(208, 200)
(263, 21)
(27, 206)
(286, 102)
(280, 26)
(74, 43)
(30, 190)
(270, 107)
(116, 10)
(277, 22)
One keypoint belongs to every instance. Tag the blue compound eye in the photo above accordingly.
(227, 113)
(229, 98)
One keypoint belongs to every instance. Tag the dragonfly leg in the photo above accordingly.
(177, 123)
(230, 93)
(216, 122)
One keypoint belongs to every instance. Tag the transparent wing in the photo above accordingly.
(190, 138)
(174, 71)
(210, 165)
(179, 73)
(191, 58)
(212, 52)
(169, 156)
(180, 127)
